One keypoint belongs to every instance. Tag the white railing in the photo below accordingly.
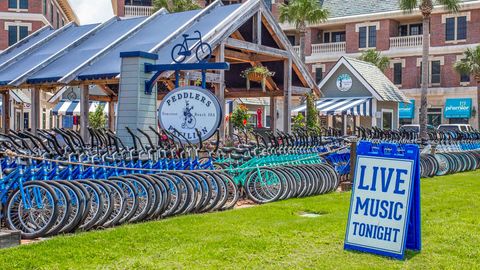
(297, 49)
(406, 41)
(137, 11)
(329, 47)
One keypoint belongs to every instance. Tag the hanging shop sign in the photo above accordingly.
(458, 108)
(406, 110)
(344, 82)
(384, 215)
(188, 109)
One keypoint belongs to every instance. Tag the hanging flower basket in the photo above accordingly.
(257, 74)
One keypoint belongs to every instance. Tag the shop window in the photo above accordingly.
(16, 33)
(318, 75)
(397, 73)
(434, 116)
(367, 36)
(387, 120)
(26, 120)
(456, 28)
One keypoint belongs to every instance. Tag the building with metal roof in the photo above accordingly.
(90, 54)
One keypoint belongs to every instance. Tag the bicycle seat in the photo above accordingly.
(8, 171)
(241, 150)
(227, 150)
(246, 146)
(247, 158)
(237, 157)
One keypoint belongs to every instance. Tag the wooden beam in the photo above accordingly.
(210, 77)
(255, 48)
(247, 57)
(111, 116)
(107, 90)
(220, 90)
(298, 91)
(84, 109)
(35, 109)
(102, 98)
(252, 93)
(273, 113)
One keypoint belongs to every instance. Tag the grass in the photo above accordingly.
(272, 236)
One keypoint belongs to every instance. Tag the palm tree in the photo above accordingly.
(175, 5)
(300, 13)
(426, 7)
(375, 58)
(470, 65)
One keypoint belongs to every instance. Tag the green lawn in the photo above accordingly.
(270, 236)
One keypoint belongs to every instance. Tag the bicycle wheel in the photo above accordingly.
(177, 57)
(77, 203)
(64, 207)
(203, 52)
(34, 213)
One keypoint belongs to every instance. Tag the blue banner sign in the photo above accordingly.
(384, 215)
(458, 108)
(406, 110)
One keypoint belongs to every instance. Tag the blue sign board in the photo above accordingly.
(406, 110)
(384, 215)
(458, 108)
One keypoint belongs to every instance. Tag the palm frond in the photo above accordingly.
(408, 5)
(450, 5)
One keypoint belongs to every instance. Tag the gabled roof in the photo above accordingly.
(347, 8)
(371, 77)
(92, 52)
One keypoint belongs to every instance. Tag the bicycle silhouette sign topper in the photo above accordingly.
(181, 51)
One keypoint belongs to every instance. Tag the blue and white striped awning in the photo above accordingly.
(67, 107)
(341, 106)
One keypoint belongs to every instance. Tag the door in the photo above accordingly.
(387, 119)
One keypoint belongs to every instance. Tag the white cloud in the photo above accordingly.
(92, 11)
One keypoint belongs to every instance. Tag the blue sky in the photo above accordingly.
(92, 11)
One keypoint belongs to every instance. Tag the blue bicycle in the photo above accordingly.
(203, 50)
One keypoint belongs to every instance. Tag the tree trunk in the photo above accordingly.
(302, 32)
(425, 79)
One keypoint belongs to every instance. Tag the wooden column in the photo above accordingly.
(220, 90)
(6, 111)
(84, 108)
(111, 115)
(257, 28)
(273, 113)
(35, 109)
(287, 95)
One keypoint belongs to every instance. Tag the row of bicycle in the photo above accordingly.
(46, 208)
(50, 207)
(449, 163)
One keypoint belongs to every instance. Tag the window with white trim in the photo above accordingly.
(16, 33)
(367, 36)
(18, 4)
(456, 28)
(435, 72)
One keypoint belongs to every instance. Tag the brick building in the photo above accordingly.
(357, 25)
(19, 18)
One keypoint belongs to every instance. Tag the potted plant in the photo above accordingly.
(257, 74)
(239, 117)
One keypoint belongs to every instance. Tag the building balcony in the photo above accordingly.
(406, 42)
(334, 47)
(138, 11)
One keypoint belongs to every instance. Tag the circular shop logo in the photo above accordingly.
(186, 109)
(344, 82)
